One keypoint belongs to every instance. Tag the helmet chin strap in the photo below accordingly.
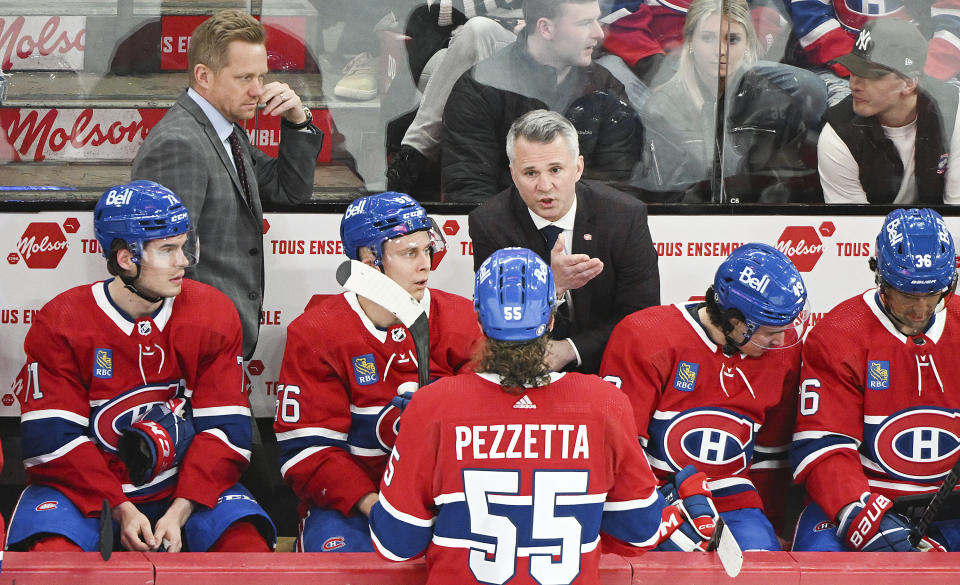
(128, 282)
(900, 323)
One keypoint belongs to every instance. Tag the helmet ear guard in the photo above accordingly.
(514, 295)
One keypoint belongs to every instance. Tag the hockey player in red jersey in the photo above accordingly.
(878, 408)
(347, 358)
(512, 473)
(713, 384)
(147, 356)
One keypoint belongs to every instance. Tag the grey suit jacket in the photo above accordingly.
(184, 154)
(610, 226)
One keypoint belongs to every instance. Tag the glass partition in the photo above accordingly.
(702, 101)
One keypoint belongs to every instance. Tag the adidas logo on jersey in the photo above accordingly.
(524, 402)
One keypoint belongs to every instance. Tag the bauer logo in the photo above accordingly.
(686, 376)
(103, 363)
(878, 374)
(365, 369)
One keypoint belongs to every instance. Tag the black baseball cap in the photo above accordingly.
(886, 45)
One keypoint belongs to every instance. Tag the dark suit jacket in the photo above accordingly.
(618, 235)
(184, 154)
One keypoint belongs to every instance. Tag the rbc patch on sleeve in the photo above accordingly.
(686, 377)
(365, 369)
(878, 374)
(103, 363)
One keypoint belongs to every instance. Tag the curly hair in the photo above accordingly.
(519, 364)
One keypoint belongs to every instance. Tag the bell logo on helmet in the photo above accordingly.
(757, 284)
(541, 274)
(484, 273)
(117, 198)
(355, 209)
(893, 232)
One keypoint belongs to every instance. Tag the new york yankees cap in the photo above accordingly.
(886, 45)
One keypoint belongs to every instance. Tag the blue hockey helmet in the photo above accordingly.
(371, 220)
(915, 252)
(514, 295)
(764, 285)
(138, 212)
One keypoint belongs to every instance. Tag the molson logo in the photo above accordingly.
(77, 134)
(802, 245)
(42, 42)
(42, 245)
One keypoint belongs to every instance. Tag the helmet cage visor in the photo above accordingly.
(438, 244)
(181, 250)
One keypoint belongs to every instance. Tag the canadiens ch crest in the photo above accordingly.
(103, 363)
(878, 374)
(686, 377)
(365, 369)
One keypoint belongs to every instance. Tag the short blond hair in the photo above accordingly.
(210, 40)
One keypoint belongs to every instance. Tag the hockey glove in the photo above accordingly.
(871, 525)
(690, 518)
(157, 441)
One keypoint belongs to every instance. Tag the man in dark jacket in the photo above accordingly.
(595, 238)
(896, 138)
(549, 67)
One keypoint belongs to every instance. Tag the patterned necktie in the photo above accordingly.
(237, 151)
(550, 234)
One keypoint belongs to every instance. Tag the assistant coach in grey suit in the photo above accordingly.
(193, 148)
(603, 260)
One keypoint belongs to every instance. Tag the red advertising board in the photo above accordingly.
(112, 134)
(286, 50)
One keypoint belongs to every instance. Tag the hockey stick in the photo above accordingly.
(370, 283)
(727, 548)
(106, 531)
(933, 508)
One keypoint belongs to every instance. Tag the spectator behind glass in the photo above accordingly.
(550, 66)
(468, 44)
(826, 29)
(896, 139)
(688, 157)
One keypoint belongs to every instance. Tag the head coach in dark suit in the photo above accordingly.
(595, 238)
(200, 152)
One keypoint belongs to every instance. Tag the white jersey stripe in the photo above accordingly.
(245, 453)
(55, 413)
(47, 457)
(300, 457)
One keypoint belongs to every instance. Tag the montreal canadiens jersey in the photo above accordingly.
(656, 26)
(878, 411)
(729, 416)
(504, 488)
(339, 372)
(91, 369)
(827, 29)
